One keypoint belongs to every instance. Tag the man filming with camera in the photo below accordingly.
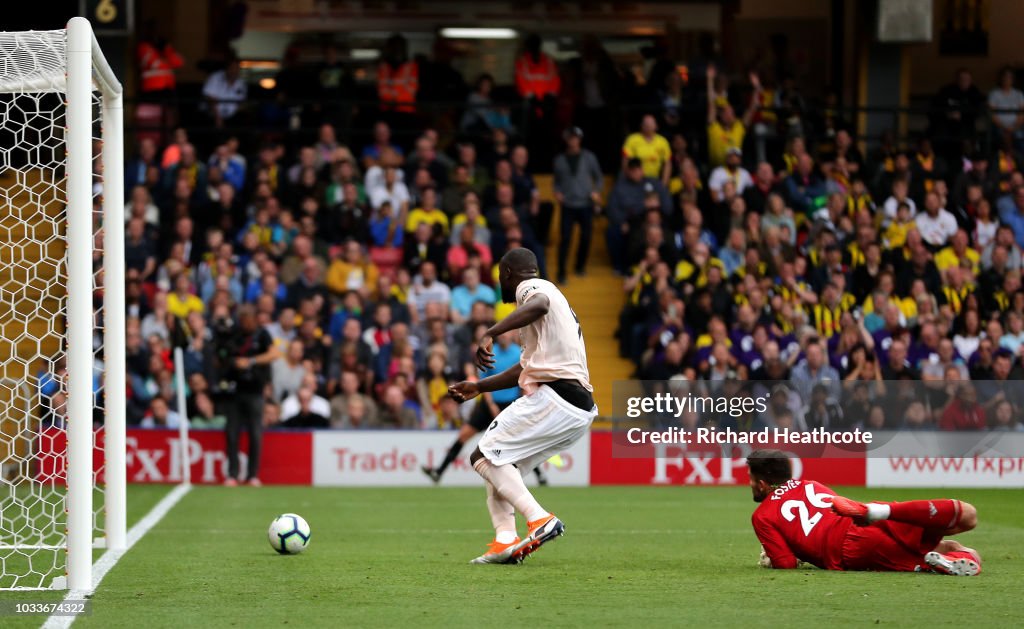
(243, 353)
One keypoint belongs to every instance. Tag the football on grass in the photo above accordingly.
(288, 534)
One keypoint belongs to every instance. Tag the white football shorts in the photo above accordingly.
(533, 429)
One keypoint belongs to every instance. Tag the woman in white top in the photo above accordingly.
(968, 335)
(984, 226)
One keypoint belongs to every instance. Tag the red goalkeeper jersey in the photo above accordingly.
(796, 522)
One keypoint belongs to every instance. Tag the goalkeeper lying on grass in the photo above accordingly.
(800, 520)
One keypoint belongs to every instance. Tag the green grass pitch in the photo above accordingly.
(632, 556)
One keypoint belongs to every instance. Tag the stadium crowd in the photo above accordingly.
(754, 239)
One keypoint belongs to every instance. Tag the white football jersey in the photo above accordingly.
(552, 345)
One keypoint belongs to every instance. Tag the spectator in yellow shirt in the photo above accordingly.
(724, 130)
(427, 212)
(896, 233)
(651, 149)
(352, 271)
(957, 252)
(182, 302)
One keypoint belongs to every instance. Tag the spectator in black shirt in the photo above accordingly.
(226, 213)
(139, 251)
(954, 111)
(919, 267)
(822, 411)
(897, 367)
(422, 247)
(334, 81)
(756, 196)
(980, 363)
(309, 284)
(348, 219)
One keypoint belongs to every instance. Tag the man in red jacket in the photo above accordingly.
(798, 520)
(963, 412)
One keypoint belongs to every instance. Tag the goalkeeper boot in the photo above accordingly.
(856, 511)
(497, 552)
(956, 564)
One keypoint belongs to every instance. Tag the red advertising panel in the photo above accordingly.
(154, 456)
(674, 465)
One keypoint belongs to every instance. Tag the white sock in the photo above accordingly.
(878, 512)
(505, 537)
(510, 486)
(503, 517)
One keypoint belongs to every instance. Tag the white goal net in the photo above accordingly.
(61, 302)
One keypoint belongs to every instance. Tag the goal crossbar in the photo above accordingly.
(49, 72)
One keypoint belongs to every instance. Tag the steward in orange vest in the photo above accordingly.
(398, 78)
(536, 73)
(157, 62)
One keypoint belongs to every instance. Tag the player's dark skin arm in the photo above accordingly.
(523, 316)
(504, 380)
(467, 390)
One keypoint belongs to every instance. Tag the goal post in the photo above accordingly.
(62, 348)
(86, 67)
(114, 329)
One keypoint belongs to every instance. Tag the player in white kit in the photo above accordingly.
(555, 411)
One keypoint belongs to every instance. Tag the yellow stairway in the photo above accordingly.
(597, 300)
(31, 305)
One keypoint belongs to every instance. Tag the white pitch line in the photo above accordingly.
(110, 558)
